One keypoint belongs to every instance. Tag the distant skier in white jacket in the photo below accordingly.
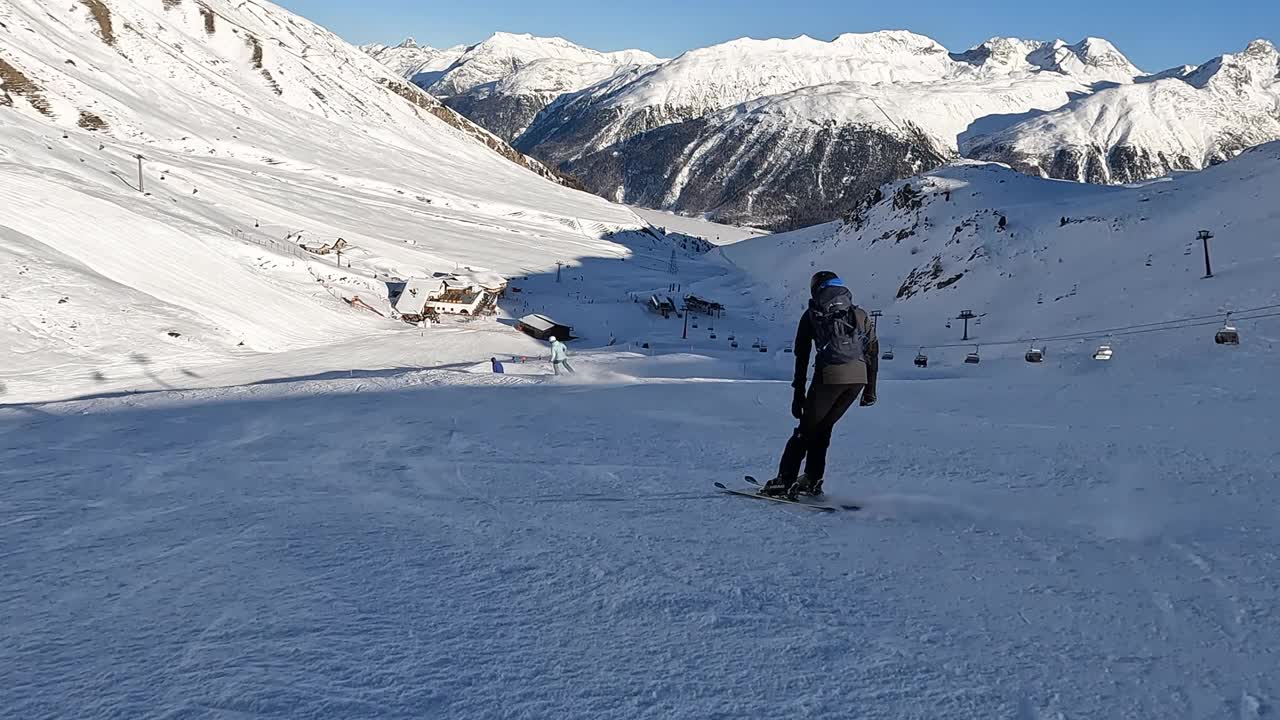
(559, 356)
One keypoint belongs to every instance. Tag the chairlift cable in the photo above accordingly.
(1127, 330)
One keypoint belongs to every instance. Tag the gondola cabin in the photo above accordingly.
(1104, 353)
(922, 360)
(1228, 335)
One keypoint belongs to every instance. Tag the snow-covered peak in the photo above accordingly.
(411, 60)
(633, 57)
(1175, 120)
(505, 54)
(1090, 60)
(1257, 66)
(1001, 55)
(888, 44)
(893, 49)
(553, 76)
(723, 75)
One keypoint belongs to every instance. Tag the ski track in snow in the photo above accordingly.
(555, 549)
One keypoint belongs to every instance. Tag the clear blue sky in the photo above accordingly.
(1155, 34)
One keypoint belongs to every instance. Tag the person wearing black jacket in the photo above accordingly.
(840, 378)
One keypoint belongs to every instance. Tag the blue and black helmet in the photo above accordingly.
(823, 279)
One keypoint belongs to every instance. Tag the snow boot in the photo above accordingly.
(778, 487)
(808, 486)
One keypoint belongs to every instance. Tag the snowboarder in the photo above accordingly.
(497, 366)
(847, 362)
(559, 356)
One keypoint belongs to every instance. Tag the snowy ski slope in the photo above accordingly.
(348, 517)
(97, 275)
(1069, 258)
(1039, 542)
(316, 534)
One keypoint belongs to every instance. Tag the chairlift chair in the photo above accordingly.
(973, 358)
(1228, 335)
(888, 354)
(764, 349)
(733, 344)
(1035, 354)
(713, 336)
(1104, 353)
(922, 360)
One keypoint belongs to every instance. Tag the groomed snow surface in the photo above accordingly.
(227, 492)
(1055, 541)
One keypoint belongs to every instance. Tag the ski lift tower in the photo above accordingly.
(966, 316)
(1205, 236)
(875, 318)
(673, 268)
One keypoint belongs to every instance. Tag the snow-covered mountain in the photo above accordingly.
(505, 81)
(420, 64)
(722, 76)
(1181, 119)
(786, 133)
(506, 53)
(258, 130)
(804, 157)
(1091, 59)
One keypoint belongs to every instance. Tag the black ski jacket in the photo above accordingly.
(862, 372)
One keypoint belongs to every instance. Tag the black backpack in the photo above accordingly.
(837, 337)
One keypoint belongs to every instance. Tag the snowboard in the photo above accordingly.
(812, 505)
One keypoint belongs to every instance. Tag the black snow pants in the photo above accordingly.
(823, 408)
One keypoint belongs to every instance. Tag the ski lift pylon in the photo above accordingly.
(1228, 335)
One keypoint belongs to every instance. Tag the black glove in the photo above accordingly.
(797, 404)
(868, 398)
